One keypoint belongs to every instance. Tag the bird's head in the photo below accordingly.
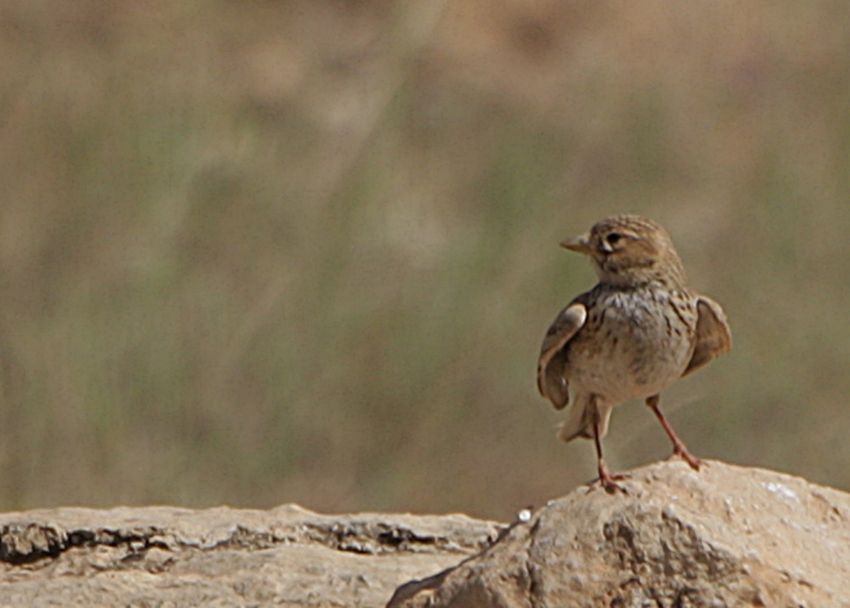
(630, 250)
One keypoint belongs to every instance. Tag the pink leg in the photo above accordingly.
(679, 448)
(606, 479)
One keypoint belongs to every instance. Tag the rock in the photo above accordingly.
(726, 536)
(163, 556)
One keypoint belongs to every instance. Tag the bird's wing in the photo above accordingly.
(713, 337)
(550, 367)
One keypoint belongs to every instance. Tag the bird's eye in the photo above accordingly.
(613, 238)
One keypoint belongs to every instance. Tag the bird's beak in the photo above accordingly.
(579, 244)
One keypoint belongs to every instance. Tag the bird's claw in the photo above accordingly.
(608, 482)
(681, 452)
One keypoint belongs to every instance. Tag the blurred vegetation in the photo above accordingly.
(258, 252)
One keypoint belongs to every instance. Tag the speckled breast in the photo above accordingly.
(634, 344)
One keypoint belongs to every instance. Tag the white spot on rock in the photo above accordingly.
(782, 490)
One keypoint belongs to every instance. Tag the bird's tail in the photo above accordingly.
(583, 413)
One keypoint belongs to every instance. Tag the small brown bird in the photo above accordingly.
(629, 337)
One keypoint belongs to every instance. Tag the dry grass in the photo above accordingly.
(262, 252)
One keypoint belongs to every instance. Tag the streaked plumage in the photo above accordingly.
(631, 336)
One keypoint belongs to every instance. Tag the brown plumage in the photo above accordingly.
(631, 336)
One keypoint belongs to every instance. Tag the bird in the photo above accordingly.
(629, 337)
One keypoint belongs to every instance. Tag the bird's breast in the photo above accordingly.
(634, 343)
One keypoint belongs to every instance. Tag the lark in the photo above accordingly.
(630, 337)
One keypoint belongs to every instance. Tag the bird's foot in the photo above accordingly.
(608, 482)
(682, 452)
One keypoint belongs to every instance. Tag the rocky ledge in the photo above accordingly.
(169, 557)
(726, 536)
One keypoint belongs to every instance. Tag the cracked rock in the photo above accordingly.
(162, 556)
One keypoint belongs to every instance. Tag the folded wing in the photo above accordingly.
(713, 337)
(551, 366)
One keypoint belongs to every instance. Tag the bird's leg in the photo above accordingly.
(679, 448)
(606, 479)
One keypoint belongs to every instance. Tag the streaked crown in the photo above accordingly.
(631, 250)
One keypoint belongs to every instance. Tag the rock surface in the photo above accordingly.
(726, 536)
(168, 557)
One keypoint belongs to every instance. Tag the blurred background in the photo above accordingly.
(268, 251)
